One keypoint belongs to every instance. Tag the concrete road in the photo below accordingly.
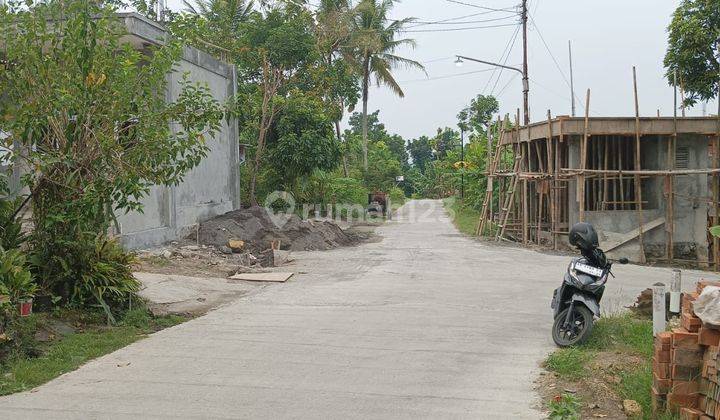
(423, 324)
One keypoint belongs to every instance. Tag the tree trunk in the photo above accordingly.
(366, 80)
(256, 165)
(344, 155)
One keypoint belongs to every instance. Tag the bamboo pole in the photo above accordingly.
(583, 159)
(621, 182)
(716, 190)
(525, 152)
(644, 172)
(551, 169)
(487, 201)
(670, 181)
(638, 186)
(606, 155)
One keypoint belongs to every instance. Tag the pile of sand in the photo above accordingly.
(257, 229)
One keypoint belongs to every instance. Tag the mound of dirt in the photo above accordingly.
(256, 228)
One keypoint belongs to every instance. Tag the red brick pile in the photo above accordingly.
(685, 368)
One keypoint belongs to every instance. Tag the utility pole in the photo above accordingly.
(526, 81)
(572, 86)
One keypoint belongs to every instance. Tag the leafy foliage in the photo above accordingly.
(90, 115)
(16, 281)
(305, 140)
(693, 51)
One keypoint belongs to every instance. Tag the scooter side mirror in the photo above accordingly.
(623, 260)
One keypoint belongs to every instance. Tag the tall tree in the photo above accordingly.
(374, 43)
(421, 152)
(476, 117)
(333, 31)
(693, 52)
(444, 141)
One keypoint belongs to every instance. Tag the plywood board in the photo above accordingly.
(277, 277)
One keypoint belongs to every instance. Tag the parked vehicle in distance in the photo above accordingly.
(576, 302)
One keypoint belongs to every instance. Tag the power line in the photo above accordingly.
(514, 76)
(559, 95)
(506, 54)
(448, 76)
(562, 73)
(460, 29)
(557, 65)
(505, 51)
(424, 23)
(453, 18)
(507, 9)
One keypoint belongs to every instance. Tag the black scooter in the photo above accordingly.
(576, 302)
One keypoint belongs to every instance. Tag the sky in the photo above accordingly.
(608, 38)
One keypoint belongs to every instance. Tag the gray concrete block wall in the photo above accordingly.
(690, 214)
(211, 188)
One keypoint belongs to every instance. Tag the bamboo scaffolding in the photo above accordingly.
(487, 201)
(608, 176)
(583, 161)
(648, 172)
(716, 190)
(638, 186)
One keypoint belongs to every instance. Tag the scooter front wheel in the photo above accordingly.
(577, 330)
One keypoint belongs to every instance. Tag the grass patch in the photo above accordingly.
(464, 217)
(624, 339)
(70, 352)
(568, 363)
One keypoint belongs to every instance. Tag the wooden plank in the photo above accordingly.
(618, 239)
(277, 277)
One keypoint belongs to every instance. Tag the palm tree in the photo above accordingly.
(334, 23)
(223, 18)
(374, 43)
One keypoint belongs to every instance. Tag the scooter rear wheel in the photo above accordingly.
(578, 330)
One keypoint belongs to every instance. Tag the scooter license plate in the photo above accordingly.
(588, 269)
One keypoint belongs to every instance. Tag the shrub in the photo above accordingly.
(89, 269)
(397, 196)
(11, 234)
(97, 131)
(348, 191)
(16, 281)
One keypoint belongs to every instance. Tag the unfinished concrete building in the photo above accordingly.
(648, 185)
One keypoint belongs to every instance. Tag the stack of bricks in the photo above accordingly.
(685, 374)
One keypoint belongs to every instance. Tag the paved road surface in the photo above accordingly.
(424, 324)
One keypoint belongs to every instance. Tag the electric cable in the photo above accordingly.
(459, 29)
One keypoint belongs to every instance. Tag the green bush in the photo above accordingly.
(397, 196)
(11, 234)
(348, 191)
(89, 270)
(16, 282)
